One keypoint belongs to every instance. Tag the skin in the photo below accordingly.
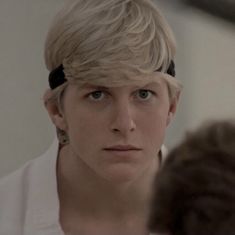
(106, 171)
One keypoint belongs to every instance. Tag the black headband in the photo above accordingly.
(171, 69)
(57, 76)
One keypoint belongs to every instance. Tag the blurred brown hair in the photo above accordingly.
(194, 192)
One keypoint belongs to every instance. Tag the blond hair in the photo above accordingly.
(110, 41)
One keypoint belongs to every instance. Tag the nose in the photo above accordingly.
(123, 118)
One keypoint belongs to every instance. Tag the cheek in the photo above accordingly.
(85, 130)
(153, 118)
(154, 127)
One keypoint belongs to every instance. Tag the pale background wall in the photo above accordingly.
(205, 65)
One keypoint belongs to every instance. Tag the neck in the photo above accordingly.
(82, 192)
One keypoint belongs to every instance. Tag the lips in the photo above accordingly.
(122, 148)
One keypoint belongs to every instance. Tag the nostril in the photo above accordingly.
(124, 129)
(123, 121)
(132, 128)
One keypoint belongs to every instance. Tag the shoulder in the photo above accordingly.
(12, 185)
(13, 191)
(20, 190)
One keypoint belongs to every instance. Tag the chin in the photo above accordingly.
(122, 174)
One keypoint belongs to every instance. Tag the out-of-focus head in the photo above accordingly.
(194, 192)
(110, 42)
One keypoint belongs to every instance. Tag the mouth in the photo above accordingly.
(122, 148)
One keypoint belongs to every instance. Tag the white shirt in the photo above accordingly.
(29, 203)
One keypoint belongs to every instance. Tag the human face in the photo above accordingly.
(116, 132)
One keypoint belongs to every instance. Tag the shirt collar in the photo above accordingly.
(43, 203)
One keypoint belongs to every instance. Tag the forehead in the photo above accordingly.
(128, 88)
(156, 79)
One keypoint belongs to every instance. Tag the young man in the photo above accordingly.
(112, 94)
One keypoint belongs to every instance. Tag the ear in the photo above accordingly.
(54, 111)
(173, 108)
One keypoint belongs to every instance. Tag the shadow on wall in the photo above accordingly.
(220, 8)
(204, 63)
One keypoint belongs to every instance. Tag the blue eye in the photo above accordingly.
(96, 95)
(144, 94)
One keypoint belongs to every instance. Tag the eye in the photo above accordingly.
(96, 95)
(144, 94)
